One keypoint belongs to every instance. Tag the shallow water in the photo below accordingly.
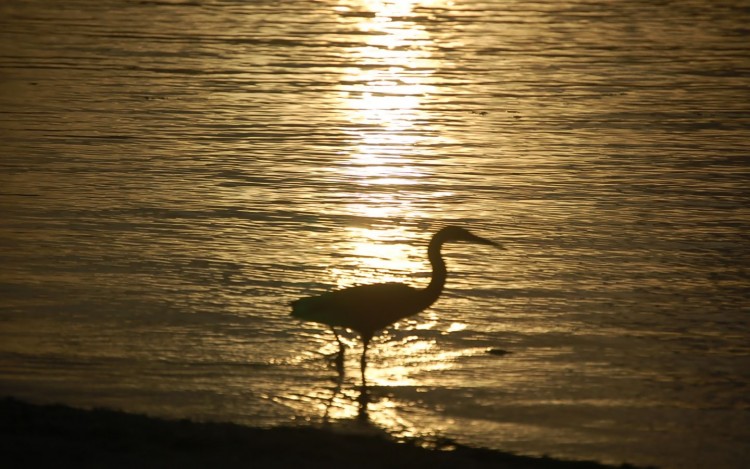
(173, 174)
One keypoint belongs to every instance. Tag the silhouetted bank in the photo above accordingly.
(61, 436)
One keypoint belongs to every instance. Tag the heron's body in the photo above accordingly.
(367, 309)
(364, 308)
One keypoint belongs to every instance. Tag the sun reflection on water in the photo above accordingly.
(382, 96)
(377, 254)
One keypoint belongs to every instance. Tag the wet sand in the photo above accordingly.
(58, 436)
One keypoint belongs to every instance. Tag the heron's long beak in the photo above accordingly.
(479, 240)
(497, 245)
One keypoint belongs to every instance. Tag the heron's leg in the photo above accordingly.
(338, 339)
(363, 360)
(339, 361)
(363, 400)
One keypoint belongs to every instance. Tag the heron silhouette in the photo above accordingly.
(366, 309)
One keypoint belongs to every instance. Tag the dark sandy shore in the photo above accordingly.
(61, 436)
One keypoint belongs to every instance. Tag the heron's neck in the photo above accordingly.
(439, 272)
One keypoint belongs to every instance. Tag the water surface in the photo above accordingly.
(174, 173)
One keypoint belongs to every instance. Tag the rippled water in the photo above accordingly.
(174, 173)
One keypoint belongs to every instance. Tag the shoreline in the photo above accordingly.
(35, 435)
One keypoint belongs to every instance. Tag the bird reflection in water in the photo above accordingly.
(363, 398)
(367, 309)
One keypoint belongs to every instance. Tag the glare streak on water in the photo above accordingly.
(173, 174)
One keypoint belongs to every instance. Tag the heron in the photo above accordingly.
(366, 309)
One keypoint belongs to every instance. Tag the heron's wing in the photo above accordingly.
(362, 308)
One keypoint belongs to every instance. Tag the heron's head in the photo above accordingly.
(456, 233)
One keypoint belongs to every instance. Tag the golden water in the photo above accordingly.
(173, 174)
